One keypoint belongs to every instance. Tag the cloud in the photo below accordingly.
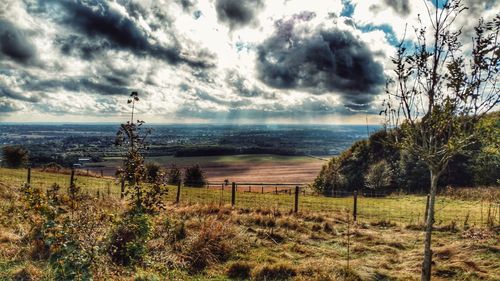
(242, 86)
(400, 6)
(107, 24)
(8, 93)
(320, 61)
(237, 13)
(15, 44)
(217, 60)
(79, 85)
(9, 106)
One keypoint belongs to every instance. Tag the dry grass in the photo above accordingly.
(488, 194)
(212, 242)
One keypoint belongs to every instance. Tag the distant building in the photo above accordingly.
(81, 162)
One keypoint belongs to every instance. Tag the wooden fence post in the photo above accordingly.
(71, 181)
(262, 190)
(355, 207)
(178, 196)
(276, 189)
(427, 208)
(297, 190)
(28, 180)
(72, 178)
(102, 173)
(122, 191)
(233, 194)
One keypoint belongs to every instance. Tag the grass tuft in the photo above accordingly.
(240, 270)
(279, 271)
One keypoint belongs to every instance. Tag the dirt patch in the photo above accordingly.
(269, 172)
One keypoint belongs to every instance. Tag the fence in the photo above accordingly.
(365, 207)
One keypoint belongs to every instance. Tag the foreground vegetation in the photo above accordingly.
(205, 241)
(473, 207)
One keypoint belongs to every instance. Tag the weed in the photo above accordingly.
(128, 240)
(279, 271)
(145, 276)
(240, 270)
(262, 220)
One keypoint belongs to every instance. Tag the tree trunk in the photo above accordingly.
(427, 264)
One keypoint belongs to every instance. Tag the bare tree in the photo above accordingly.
(439, 91)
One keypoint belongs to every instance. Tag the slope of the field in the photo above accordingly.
(239, 168)
(202, 240)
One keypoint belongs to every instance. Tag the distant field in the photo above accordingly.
(242, 168)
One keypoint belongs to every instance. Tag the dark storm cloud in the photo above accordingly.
(81, 85)
(237, 13)
(80, 46)
(14, 43)
(326, 61)
(104, 25)
(9, 93)
(309, 107)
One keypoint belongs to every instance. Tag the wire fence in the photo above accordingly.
(369, 207)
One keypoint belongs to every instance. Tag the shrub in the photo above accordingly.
(194, 176)
(331, 178)
(240, 270)
(174, 175)
(54, 236)
(14, 156)
(279, 271)
(128, 240)
(379, 175)
(69, 260)
(153, 172)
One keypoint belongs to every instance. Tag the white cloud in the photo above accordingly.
(186, 63)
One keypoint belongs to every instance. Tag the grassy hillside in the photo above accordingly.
(260, 239)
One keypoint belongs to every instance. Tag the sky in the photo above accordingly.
(205, 61)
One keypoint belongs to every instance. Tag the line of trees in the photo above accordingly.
(193, 176)
(379, 164)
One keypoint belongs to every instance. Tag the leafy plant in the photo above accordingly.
(54, 233)
(128, 240)
(144, 198)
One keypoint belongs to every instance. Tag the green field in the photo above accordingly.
(407, 209)
(213, 160)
